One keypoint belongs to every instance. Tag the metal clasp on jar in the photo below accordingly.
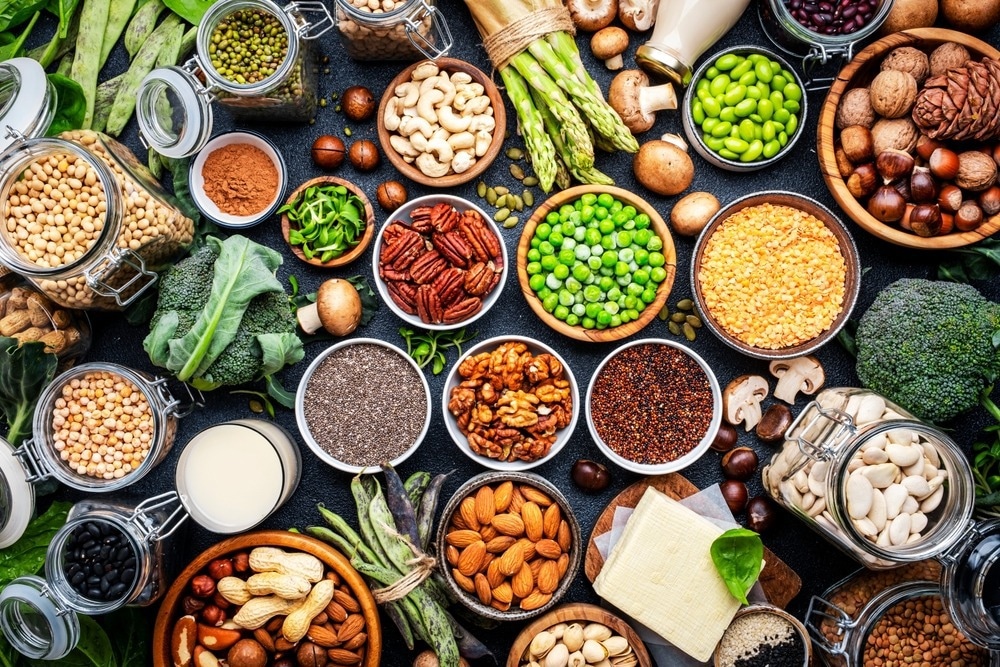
(820, 611)
(426, 41)
(173, 405)
(304, 28)
(819, 56)
(820, 432)
(148, 526)
(97, 276)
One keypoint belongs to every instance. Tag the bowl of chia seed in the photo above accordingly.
(363, 402)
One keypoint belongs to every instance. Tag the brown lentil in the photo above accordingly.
(773, 276)
(919, 631)
(102, 425)
(651, 403)
(365, 405)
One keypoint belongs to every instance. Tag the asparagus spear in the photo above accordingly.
(538, 143)
(591, 175)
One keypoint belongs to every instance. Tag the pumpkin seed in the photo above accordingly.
(685, 304)
(664, 313)
(501, 215)
(678, 317)
(501, 190)
(528, 198)
(491, 196)
(693, 320)
(516, 171)
(481, 189)
(322, 101)
(515, 153)
(510, 222)
(674, 328)
(688, 331)
(518, 203)
(337, 108)
(530, 181)
(256, 406)
(501, 201)
(347, 132)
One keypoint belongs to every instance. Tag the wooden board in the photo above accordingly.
(779, 581)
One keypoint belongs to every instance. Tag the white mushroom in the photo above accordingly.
(409, 92)
(638, 15)
(449, 121)
(803, 374)
(742, 398)
(426, 103)
(462, 162)
(441, 148)
(424, 70)
(591, 15)
(637, 102)
(430, 167)
(608, 44)
(390, 119)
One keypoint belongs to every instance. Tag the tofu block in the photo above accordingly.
(661, 574)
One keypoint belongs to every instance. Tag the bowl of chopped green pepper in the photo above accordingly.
(328, 222)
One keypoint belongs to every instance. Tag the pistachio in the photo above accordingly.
(594, 651)
(596, 631)
(616, 645)
(541, 644)
(573, 637)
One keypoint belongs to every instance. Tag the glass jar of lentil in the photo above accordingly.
(86, 222)
(392, 29)
(106, 556)
(872, 479)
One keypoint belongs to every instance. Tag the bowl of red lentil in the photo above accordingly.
(518, 385)
(361, 403)
(653, 406)
(775, 275)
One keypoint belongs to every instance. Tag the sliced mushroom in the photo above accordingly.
(803, 374)
(608, 44)
(591, 15)
(742, 398)
(637, 102)
(638, 15)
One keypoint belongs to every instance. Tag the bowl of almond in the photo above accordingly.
(510, 545)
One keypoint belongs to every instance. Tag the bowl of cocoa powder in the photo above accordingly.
(237, 179)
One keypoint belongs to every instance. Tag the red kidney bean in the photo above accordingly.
(832, 18)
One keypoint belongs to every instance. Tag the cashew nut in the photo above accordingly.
(425, 105)
(419, 142)
(451, 122)
(440, 134)
(410, 93)
(462, 140)
(424, 70)
(462, 97)
(391, 117)
(431, 167)
(446, 87)
(462, 163)
(478, 105)
(429, 83)
(482, 122)
(403, 146)
(461, 78)
(410, 124)
(483, 141)
(410, 111)
(442, 149)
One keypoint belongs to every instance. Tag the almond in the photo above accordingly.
(516, 500)
(531, 514)
(485, 509)
(500, 606)
(265, 639)
(535, 601)
(550, 521)
(336, 612)
(499, 544)
(345, 600)
(354, 624)
(548, 549)
(323, 636)
(508, 524)
(528, 547)
(494, 575)
(503, 593)
(464, 582)
(471, 559)
(502, 496)
(451, 554)
(536, 567)
(458, 523)
(532, 494)
(523, 582)
(483, 590)
(340, 656)
(487, 533)
(356, 642)
(563, 565)
(462, 538)
(511, 560)
(281, 645)
(564, 537)
(548, 577)
(183, 640)
(467, 510)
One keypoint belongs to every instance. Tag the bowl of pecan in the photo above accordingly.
(509, 545)
(439, 262)
(511, 403)
(260, 597)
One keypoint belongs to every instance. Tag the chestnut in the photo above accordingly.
(863, 181)
(760, 514)
(735, 494)
(950, 198)
(925, 220)
(364, 155)
(358, 103)
(887, 205)
(893, 164)
(923, 188)
(391, 195)
(773, 424)
(739, 463)
(969, 216)
(725, 439)
(590, 476)
(943, 163)
(328, 152)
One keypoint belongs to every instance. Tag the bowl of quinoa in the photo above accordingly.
(653, 406)
(361, 403)
(775, 275)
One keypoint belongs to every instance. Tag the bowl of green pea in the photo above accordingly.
(745, 109)
(596, 263)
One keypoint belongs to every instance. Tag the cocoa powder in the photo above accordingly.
(241, 179)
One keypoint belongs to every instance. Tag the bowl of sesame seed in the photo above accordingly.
(775, 275)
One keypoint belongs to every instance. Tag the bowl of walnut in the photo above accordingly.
(510, 403)
(907, 139)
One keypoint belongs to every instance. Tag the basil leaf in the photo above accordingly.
(27, 555)
(738, 555)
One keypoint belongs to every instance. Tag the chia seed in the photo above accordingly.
(761, 639)
(365, 405)
(651, 403)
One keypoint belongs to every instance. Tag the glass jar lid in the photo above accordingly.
(174, 111)
(17, 496)
(971, 578)
(36, 623)
(26, 104)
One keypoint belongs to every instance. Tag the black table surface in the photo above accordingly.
(818, 565)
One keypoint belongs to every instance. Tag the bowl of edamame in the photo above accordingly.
(744, 109)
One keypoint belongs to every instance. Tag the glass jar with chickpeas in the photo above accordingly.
(86, 222)
(392, 29)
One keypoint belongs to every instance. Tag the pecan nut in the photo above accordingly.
(449, 285)
(427, 267)
(396, 240)
(429, 305)
(484, 243)
(440, 217)
(404, 295)
(479, 278)
(462, 310)
(453, 247)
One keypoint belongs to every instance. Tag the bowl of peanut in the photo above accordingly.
(509, 545)
(510, 403)
(254, 598)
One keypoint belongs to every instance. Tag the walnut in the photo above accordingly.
(910, 60)
(898, 133)
(948, 56)
(976, 171)
(893, 93)
(855, 109)
(518, 409)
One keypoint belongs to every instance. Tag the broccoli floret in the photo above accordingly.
(187, 284)
(928, 346)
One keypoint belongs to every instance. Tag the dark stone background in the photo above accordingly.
(817, 563)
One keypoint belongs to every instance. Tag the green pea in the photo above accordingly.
(752, 152)
(746, 107)
(772, 148)
(753, 92)
(711, 106)
(783, 138)
(727, 62)
(718, 84)
(722, 129)
(749, 78)
(792, 92)
(792, 106)
(767, 131)
(746, 130)
(714, 143)
(736, 95)
(728, 154)
(778, 82)
(765, 108)
(792, 125)
(763, 70)
(697, 112)
(737, 145)
(777, 99)
(741, 69)
(709, 124)
(712, 72)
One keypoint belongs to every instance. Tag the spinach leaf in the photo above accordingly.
(12, 45)
(15, 12)
(980, 261)
(24, 371)
(27, 555)
(738, 555)
(94, 648)
(130, 635)
(71, 105)
(189, 10)
(64, 10)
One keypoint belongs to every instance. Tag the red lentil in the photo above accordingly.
(651, 403)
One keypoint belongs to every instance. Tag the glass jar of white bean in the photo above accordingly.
(85, 222)
(392, 29)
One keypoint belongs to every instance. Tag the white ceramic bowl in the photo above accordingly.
(300, 417)
(403, 213)
(462, 441)
(682, 461)
(209, 207)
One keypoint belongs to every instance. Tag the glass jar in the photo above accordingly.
(392, 30)
(29, 315)
(872, 479)
(39, 616)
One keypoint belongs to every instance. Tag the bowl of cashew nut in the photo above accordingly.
(441, 122)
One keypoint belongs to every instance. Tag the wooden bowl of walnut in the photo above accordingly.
(351, 594)
(859, 73)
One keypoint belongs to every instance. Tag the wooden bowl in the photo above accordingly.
(577, 612)
(170, 607)
(350, 255)
(860, 72)
(662, 292)
(450, 180)
(852, 282)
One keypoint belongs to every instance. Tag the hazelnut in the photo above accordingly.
(949, 198)
(192, 605)
(969, 216)
(219, 601)
(863, 181)
(739, 463)
(947, 223)
(364, 155)
(925, 220)
(893, 164)
(893, 93)
(310, 655)
(948, 56)
(202, 586)
(923, 187)
(241, 562)
(734, 492)
(328, 152)
(989, 200)
(212, 615)
(391, 195)
(358, 103)
(855, 108)
(908, 59)
(247, 653)
(976, 171)
(926, 146)
(219, 568)
(943, 163)
(857, 143)
(887, 205)
(898, 133)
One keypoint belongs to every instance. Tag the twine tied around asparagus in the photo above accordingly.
(423, 567)
(504, 44)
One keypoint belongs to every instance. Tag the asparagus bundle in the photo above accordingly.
(558, 104)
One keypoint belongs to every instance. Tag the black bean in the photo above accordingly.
(77, 579)
(128, 575)
(117, 591)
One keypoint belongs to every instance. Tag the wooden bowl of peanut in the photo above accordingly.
(292, 595)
